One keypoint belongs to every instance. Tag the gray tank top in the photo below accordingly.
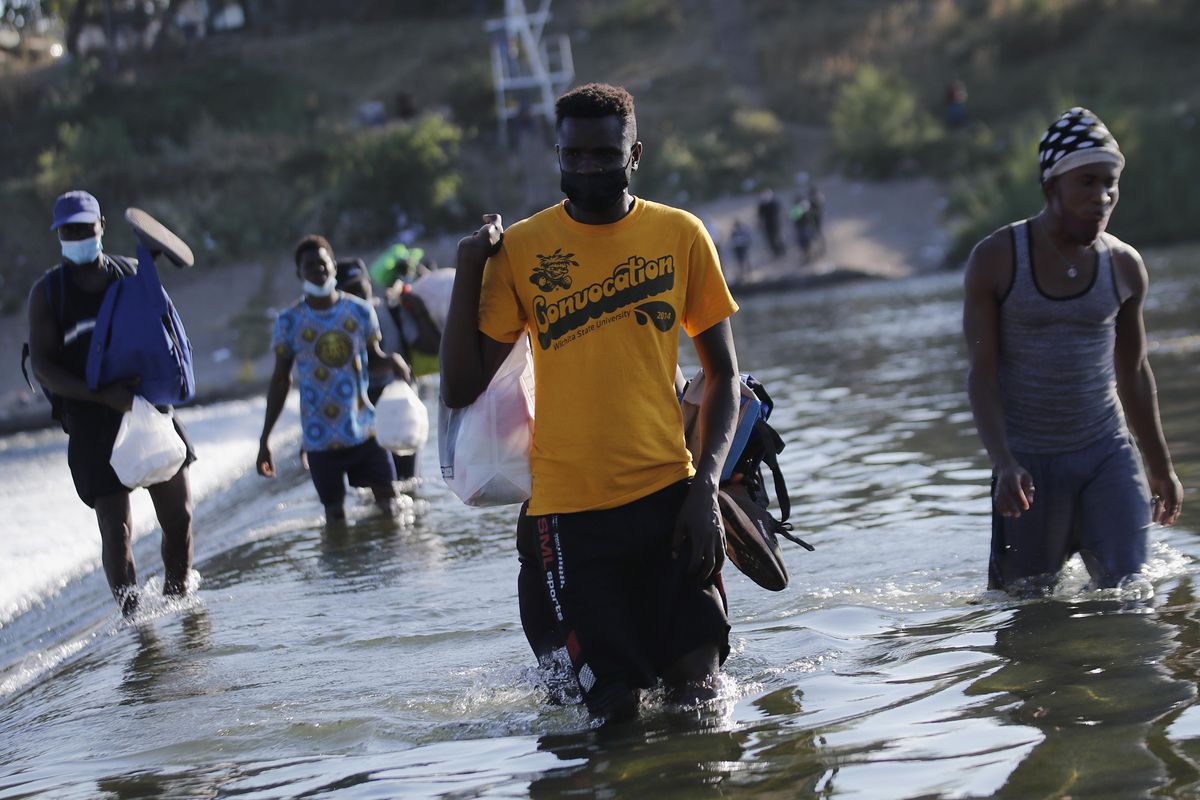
(1057, 377)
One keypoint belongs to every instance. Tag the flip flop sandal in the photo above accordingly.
(157, 238)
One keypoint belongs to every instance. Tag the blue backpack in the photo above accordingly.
(138, 335)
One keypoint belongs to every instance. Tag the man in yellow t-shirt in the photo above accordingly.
(622, 538)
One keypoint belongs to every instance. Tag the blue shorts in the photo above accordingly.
(365, 464)
(1094, 502)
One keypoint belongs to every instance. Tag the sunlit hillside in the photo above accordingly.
(244, 139)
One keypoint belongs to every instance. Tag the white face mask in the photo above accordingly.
(321, 290)
(82, 251)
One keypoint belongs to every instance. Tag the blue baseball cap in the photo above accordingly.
(75, 207)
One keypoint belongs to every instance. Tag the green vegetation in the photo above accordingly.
(1160, 200)
(742, 147)
(247, 140)
(1023, 62)
(878, 124)
(395, 168)
(1010, 190)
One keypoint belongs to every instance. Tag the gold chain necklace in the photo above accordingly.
(1072, 271)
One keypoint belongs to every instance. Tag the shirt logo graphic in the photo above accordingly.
(334, 348)
(552, 270)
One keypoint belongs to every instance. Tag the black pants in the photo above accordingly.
(604, 585)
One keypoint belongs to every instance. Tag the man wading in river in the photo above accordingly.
(1057, 346)
(63, 306)
(331, 338)
(621, 533)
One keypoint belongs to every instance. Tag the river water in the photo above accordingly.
(386, 660)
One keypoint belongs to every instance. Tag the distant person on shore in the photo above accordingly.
(1058, 367)
(63, 306)
(332, 339)
(816, 218)
(802, 226)
(622, 538)
(769, 218)
(956, 104)
(740, 240)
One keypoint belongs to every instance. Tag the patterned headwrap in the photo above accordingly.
(1078, 137)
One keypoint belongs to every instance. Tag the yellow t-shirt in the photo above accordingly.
(603, 305)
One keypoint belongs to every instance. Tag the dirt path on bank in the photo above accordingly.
(887, 230)
(884, 230)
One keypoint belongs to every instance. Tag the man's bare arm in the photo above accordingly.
(1138, 392)
(719, 406)
(277, 391)
(699, 522)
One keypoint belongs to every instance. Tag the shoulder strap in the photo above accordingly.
(101, 334)
(24, 371)
(760, 392)
(1018, 234)
(773, 446)
(147, 275)
(57, 276)
(1106, 263)
(124, 267)
(1022, 233)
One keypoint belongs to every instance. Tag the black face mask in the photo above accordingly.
(594, 192)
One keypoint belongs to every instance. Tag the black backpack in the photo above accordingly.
(755, 443)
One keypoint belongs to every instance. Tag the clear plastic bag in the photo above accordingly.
(485, 446)
(401, 419)
(148, 449)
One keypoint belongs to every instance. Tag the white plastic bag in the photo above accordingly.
(485, 447)
(401, 420)
(148, 449)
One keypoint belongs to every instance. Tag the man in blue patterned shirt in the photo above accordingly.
(332, 340)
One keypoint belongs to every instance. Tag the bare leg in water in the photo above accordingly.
(173, 507)
(115, 519)
(693, 678)
(385, 499)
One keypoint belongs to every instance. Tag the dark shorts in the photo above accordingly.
(365, 464)
(92, 430)
(625, 609)
(1094, 502)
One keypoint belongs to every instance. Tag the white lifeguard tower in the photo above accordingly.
(528, 71)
